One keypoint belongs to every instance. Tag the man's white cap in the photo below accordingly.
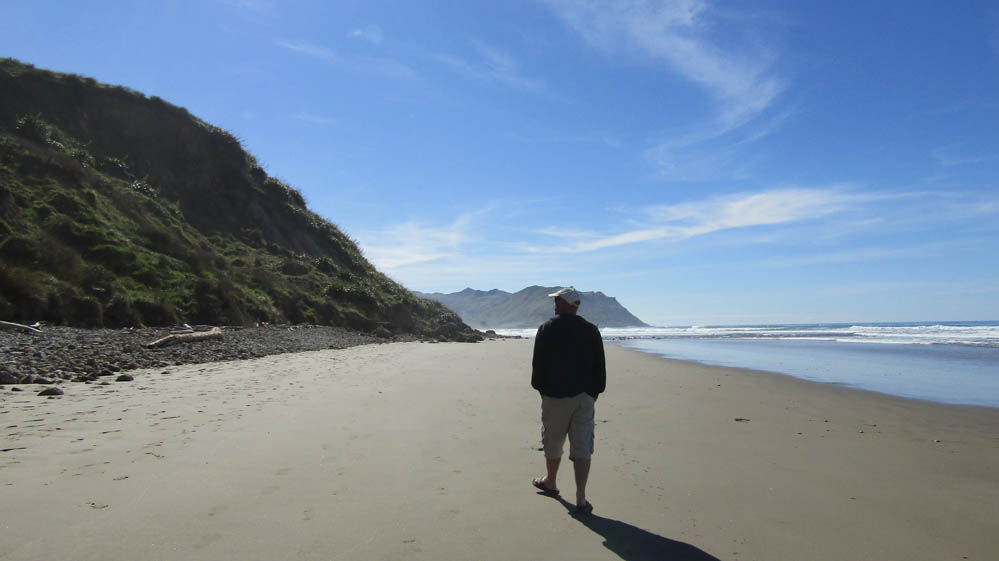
(570, 295)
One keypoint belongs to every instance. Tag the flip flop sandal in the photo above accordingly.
(581, 510)
(540, 484)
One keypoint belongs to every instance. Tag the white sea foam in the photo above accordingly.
(984, 334)
(947, 362)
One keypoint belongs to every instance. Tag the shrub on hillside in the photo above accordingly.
(116, 258)
(19, 249)
(84, 311)
(34, 128)
(22, 293)
(156, 313)
(119, 312)
(115, 167)
(294, 267)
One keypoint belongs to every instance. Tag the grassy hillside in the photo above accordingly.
(117, 209)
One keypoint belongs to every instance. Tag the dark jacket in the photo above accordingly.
(568, 358)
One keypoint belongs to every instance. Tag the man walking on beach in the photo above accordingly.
(569, 371)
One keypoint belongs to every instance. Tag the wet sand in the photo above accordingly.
(426, 451)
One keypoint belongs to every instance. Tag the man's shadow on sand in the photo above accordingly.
(635, 544)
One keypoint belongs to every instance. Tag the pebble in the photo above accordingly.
(81, 355)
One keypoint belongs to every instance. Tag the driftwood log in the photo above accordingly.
(19, 327)
(173, 339)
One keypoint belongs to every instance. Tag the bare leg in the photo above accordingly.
(581, 469)
(552, 465)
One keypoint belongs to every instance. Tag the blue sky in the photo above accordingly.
(704, 162)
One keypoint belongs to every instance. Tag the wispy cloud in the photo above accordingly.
(677, 32)
(984, 207)
(252, 5)
(566, 233)
(609, 140)
(950, 156)
(432, 256)
(689, 159)
(381, 65)
(491, 64)
(372, 34)
(863, 254)
(687, 220)
(740, 79)
(309, 49)
(415, 242)
(314, 119)
(788, 227)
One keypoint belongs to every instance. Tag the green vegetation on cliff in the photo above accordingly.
(119, 209)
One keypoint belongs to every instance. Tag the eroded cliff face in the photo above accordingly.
(121, 209)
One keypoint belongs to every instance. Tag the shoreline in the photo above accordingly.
(947, 374)
(843, 386)
(124, 353)
(952, 364)
(61, 354)
(426, 451)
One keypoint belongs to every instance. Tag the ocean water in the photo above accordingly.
(945, 362)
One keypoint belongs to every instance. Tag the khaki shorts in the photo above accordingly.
(567, 416)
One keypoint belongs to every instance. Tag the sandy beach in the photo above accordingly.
(426, 451)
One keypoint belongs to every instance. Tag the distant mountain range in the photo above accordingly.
(530, 307)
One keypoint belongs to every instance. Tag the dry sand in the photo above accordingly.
(426, 451)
